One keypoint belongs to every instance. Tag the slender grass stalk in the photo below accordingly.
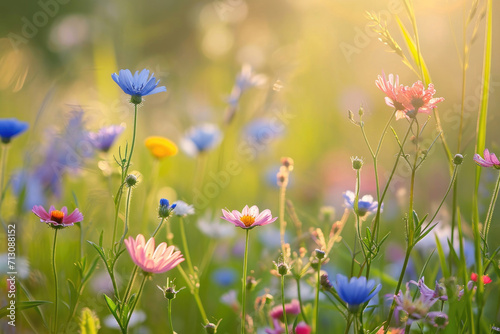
(244, 285)
(300, 301)
(130, 284)
(3, 164)
(480, 144)
(136, 300)
(185, 245)
(316, 300)
(283, 302)
(282, 215)
(56, 290)
(349, 323)
(194, 292)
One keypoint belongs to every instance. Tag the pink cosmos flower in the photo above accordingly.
(490, 160)
(150, 260)
(421, 99)
(302, 328)
(395, 92)
(292, 308)
(249, 217)
(57, 218)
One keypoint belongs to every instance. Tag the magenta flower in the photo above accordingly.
(302, 328)
(395, 92)
(292, 308)
(278, 329)
(150, 260)
(249, 217)
(490, 160)
(422, 99)
(57, 218)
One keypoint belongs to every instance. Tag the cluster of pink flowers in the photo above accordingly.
(408, 101)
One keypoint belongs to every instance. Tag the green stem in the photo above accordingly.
(125, 227)
(185, 246)
(282, 216)
(5, 149)
(55, 279)
(489, 215)
(194, 292)
(349, 322)
(283, 302)
(130, 284)
(398, 287)
(158, 228)
(244, 284)
(137, 298)
(300, 301)
(124, 175)
(316, 300)
(170, 316)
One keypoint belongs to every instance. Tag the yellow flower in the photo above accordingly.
(161, 147)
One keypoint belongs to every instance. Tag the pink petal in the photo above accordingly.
(75, 217)
(40, 212)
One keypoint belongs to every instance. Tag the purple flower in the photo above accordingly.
(415, 309)
(57, 218)
(490, 160)
(438, 293)
(249, 217)
(105, 137)
(356, 291)
(138, 85)
(437, 319)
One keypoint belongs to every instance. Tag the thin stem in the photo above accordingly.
(401, 276)
(194, 292)
(138, 297)
(244, 284)
(185, 246)
(283, 302)
(491, 208)
(282, 216)
(300, 301)
(170, 316)
(127, 210)
(124, 175)
(130, 284)
(158, 228)
(55, 279)
(316, 300)
(5, 149)
(349, 322)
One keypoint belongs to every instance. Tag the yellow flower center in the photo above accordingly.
(247, 220)
(57, 216)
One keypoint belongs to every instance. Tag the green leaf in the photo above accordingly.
(442, 258)
(24, 305)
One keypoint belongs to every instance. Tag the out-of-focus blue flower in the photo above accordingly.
(366, 204)
(356, 291)
(200, 139)
(105, 137)
(262, 131)
(165, 208)
(138, 85)
(183, 209)
(224, 277)
(245, 80)
(11, 127)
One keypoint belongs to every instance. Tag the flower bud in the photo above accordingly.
(211, 328)
(320, 254)
(283, 269)
(136, 99)
(287, 162)
(131, 180)
(325, 282)
(251, 283)
(361, 111)
(458, 159)
(164, 210)
(357, 163)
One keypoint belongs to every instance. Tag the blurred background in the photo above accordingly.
(320, 59)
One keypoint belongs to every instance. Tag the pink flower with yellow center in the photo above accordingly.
(152, 260)
(57, 218)
(422, 99)
(249, 217)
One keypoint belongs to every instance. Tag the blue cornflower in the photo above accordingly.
(355, 292)
(366, 204)
(224, 277)
(183, 209)
(138, 85)
(262, 131)
(11, 127)
(165, 208)
(105, 137)
(201, 138)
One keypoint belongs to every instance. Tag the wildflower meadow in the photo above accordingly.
(265, 167)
